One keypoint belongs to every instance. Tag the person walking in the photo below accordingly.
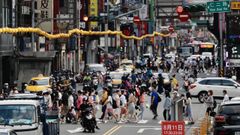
(166, 106)
(79, 103)
(141, 102)
(104, 102)
(123, 104)
(175, 84)
(160, 84)
(116, 108)
(209, 101)
(188, 107)
(155, 99)
(226, 97)
(131, 107)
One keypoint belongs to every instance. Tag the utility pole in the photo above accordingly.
(106, 24)
(33, 25)
(79, 37)
(221, 43)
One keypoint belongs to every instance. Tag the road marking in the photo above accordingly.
(77, 130)
(140, 131)
(142, 121)
(114, 130)
(110, 130)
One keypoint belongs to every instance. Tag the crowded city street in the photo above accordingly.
(119, 67)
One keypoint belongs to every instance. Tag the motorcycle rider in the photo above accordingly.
(87, 78)
(83, 113)
(6, 90)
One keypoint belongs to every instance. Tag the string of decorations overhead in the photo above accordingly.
(74, 31)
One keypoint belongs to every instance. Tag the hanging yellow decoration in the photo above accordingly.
(75, 31)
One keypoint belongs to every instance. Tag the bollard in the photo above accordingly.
(203, 126)
(195, 131)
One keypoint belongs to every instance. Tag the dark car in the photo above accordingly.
(227, 119)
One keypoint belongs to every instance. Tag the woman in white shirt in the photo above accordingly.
(226, 97)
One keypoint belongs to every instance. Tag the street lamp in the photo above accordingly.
(85, 18)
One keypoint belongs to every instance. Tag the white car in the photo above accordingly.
(95, 68)
(7, 132)
(217, 85)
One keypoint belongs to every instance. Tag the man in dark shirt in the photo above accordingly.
(154, 102)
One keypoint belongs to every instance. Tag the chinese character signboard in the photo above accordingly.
(235, 5)
(45, 8)
(93, 11)
(218, 6)
(233, 37)
(173, 127)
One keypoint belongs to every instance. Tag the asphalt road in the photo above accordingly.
(150, 127)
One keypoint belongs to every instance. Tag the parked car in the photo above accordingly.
(217, 85)
(6, 131)
(227, 119)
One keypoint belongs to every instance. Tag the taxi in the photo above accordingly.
(116, 78)
(127, 64)
(39, 83)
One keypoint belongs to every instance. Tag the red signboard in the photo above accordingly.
(184, 16)
(173, 127)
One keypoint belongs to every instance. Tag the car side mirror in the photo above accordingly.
(236, 86)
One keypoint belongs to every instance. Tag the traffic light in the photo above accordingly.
(195, 8)
(127, 29)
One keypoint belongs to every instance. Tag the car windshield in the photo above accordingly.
(38, 82)
(98, 68)
(1, 133)
(116, 76)
(17, 115)
(230, 109)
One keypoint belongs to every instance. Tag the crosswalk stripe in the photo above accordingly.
(142, 121)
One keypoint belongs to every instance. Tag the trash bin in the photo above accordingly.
(53, 123)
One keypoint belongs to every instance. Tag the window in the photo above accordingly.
(203, 82)
(230, 109)
(227, 83)
(5, 13)
(13, 133)
(214, 82)
(17, 115)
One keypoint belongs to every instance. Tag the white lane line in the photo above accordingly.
(77, 130)
(140, 131)
(142, 121)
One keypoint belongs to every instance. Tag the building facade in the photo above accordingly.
(7, 66)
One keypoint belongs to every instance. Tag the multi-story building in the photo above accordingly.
(7, 45)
